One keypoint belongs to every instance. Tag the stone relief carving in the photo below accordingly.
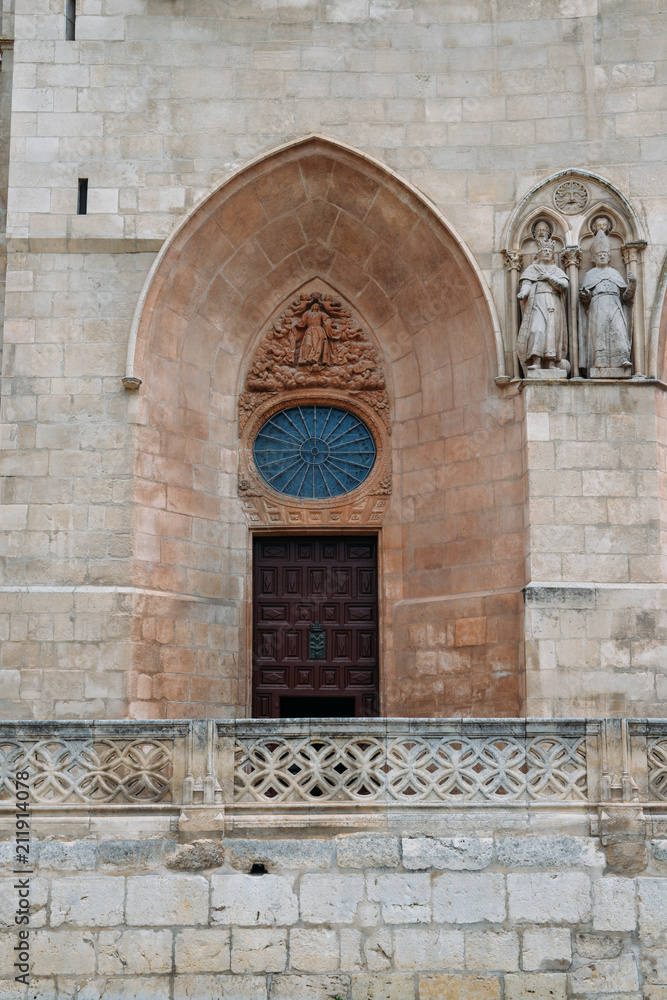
(316, 352)
(584, 319)
(315, 343)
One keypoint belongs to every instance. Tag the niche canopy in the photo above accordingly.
(315, 419)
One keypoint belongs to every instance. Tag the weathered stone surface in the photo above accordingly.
(130, 854)
(608, 975)
(314, 950)
(39, 889)
(379, 950)
(493, 950)
(652, 904)
(281, 855)
(361, 851)
(549, 898)
(258, 949)
(351, 959)
(549, 852)
(423, 949)
(63, 952)
(167, 899)
(653, 965)
(249, 900)
(614, 906)
(196, 857)
(454, 987)
(403, 898)
(202, 950)
(330, 898)
(220, 988)
(598, 945)
(546, 949)
(308, 987)
(469, 898)
(137, 952)
(536, 986)
(382, 986)
(78, 855)
(453, 853)
(88, 901)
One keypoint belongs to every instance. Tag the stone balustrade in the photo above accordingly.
(245, 768)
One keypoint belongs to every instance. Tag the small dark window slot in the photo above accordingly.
(316, 708)
(82, 205)
(258, 868)
(70, 25)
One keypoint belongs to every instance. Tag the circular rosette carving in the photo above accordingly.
(657, 769)
(58, 768)
(140, 771)
(570, 197)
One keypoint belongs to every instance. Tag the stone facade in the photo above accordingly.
(399, 155)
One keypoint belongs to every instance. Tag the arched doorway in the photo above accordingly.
(450, 535)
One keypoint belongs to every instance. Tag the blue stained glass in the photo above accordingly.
(314, 452)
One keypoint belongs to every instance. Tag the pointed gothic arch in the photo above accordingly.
(318, 211)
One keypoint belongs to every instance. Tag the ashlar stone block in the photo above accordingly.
(314, 950)
(614, 906)
(220, 988)
(609, 975)
(63, 952)
(250, 900)
(492, 950)
(258, 949)
(330, 898)
(166, 899)
(452, 853)
(469, 898)
(87, 901)
(544, 898)
(361, 851)
(448, 987)
(425, 949)
(536, 986)
(136, 952)
(203, 950)
(383, 986)
(308, 987)
(404, 898)
(546, 949)
(652, 902)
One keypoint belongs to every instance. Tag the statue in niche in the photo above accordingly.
(604, 329)
(542, 340)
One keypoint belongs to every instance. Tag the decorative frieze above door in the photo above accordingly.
(314, 418)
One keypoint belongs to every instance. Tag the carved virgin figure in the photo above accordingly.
(319, 331)
(604, 330)
(542, 340)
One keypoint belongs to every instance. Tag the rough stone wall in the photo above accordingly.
(354, 916)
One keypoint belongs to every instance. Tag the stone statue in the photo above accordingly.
(604, 329)
(319, 331)
(542, 340)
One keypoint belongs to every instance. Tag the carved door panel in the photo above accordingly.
(315, 627)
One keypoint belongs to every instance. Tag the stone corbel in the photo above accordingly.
(571, 261)
(514, 264)
(632, 254)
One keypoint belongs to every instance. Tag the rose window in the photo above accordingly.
(314, 452)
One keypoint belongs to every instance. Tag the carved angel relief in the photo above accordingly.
(315, 353)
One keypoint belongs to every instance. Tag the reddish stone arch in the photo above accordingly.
(455, 525)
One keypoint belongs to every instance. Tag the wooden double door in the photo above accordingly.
(315, 627)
